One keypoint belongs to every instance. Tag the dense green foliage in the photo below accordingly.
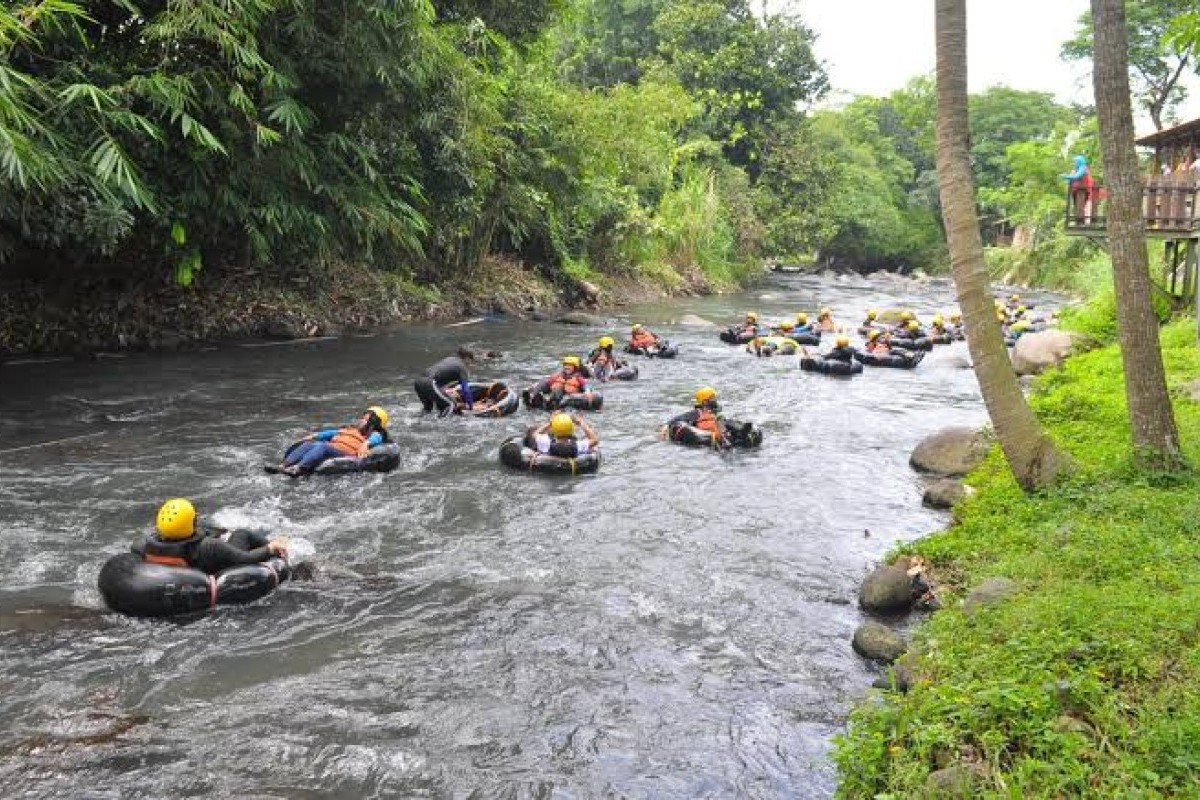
(581, 138)
(1084, 684)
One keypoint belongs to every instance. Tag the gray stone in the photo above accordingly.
(581, 318)
(1192, 391)
(692, 321)
(955, 781)
(899, 677)
(887, 590)
(1035, 352)
(878, 642)
(989, 593)
(951, 451)
(944, 493)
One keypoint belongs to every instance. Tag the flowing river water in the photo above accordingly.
(677, 625)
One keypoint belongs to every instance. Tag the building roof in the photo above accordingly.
(1186, 133)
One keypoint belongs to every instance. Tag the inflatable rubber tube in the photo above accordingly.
(810, 339)
(380, 458)
(741, 434)
(899, 360)
(665, 351)
(830, 366)
(138, 588)
(910, 343)
(629, 372)
(506, 400)
(735, 336)
(585, 401)
(515, 452)
(941, 338)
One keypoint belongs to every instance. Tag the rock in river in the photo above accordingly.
(878, 642)
(951, 451)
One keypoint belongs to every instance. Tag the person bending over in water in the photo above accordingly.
(181, 540)
(556, 437)
(349, 440)
(450, 371)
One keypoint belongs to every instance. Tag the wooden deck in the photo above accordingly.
(1170, 204)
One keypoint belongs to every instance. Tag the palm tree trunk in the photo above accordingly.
(1032, 456)
(1155, 439)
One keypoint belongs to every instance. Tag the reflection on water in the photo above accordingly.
(676, 626)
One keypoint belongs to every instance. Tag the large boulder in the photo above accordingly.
(989, 593)
(581, 318)
(888, 590)
(1035, 352)
(951, 451)
(878, 642)
(945, 492)
(955, 781)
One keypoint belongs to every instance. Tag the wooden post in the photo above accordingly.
(1190, 269)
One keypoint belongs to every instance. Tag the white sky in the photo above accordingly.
(874, 46)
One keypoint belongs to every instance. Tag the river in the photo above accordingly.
(675, 626)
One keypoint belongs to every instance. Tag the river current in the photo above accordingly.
(676, 626)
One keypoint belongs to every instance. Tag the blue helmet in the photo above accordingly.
(1080, 161)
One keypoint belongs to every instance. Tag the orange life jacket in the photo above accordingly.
(878, 346)
(706, 420)
(570, 385)
(168, 553)
(350, 441)
(643, 339)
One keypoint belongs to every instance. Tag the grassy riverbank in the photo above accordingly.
(1087, 682)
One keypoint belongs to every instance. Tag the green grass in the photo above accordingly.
(1087, 683)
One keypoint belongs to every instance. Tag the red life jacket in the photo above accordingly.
(1085, 182)
(643, 339)
(169, 553)
(707, 420)
(570, 385)
(350, 441)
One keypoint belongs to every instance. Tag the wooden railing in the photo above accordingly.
(1170, 204)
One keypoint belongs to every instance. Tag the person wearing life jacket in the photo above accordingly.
(786, 327)
(870, 321)
(750, 324)
(568, 380)
(181, 540)
(705, 415)
(349, 440)
(802, 325)
(956, 325)
(1080, 187)
(842, 351)
(825, 322)
(603, 361)
(557, 436)
(641, 338)
(878, 342)
(938, 326)
(446, 384)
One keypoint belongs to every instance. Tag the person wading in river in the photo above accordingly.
(180, 540)
(449, 372)
(349, 440)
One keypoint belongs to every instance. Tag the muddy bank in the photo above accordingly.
(102, 315)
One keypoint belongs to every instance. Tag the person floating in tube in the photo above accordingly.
(842, 351)
(825, 321)
(557, 437)
(641, 338)
(349, 440)
(878, 342)
(568, 380)
(750, 324)
(602, 361)
(705, 415)
(181, 540)
(446, 384)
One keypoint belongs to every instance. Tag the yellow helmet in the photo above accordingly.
(955, 316)
(379, 412)
(937, 319)
(826, 311)
(874, 334)
(606, 341)
(750, 315)
(999, 303)
(842, 341)
(635, 327)
(1014, 297)
(905, 316)
(913, 325)
(176, 519)
(704, 394)
(562, 425)
(802, 318)
(571, 361)
(1021, 309)
(872, 313)
(786, 325)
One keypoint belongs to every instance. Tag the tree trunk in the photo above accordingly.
(1155, 440)
(1032, 456)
